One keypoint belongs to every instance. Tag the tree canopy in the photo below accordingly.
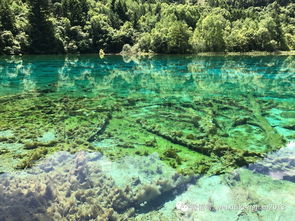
(162, 26)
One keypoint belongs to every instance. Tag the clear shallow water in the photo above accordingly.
(170, 75)
(187, 115)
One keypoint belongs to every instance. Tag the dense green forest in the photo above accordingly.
(160, 26)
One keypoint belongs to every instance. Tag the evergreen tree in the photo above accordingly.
(41, 30)
(76, 11)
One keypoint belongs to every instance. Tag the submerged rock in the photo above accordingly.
(279, 165)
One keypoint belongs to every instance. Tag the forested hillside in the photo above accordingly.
(160, 26)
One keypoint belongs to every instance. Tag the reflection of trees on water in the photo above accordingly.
(15, 76)
(159, 75)
(264, 76)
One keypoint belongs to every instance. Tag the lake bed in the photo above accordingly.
(181, 131)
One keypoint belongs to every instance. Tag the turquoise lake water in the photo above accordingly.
(147, 138)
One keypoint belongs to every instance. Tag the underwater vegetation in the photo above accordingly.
(48, 123)
(83, 186)
(135, 138)
(203, 115)
(90, 186)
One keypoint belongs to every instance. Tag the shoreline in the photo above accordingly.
(251, 53)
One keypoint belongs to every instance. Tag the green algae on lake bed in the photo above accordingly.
(90, 186)
(200, 114)
(146, 139)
